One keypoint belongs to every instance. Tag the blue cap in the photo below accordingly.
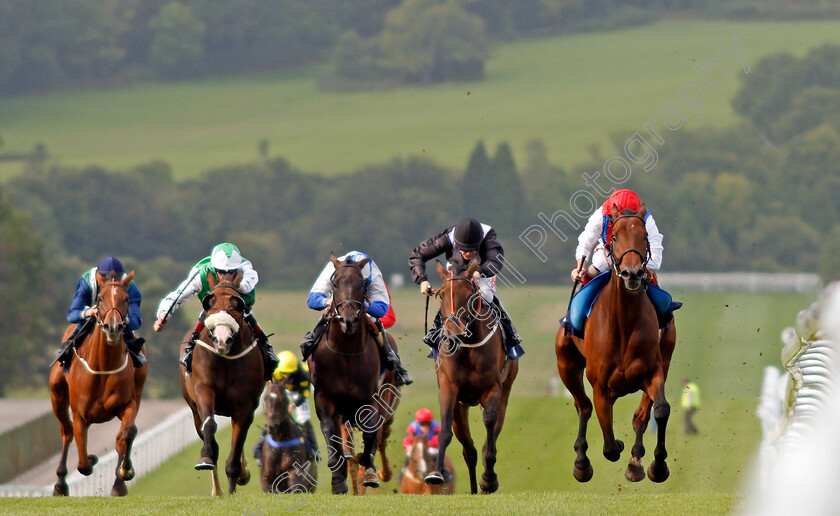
(110, 264)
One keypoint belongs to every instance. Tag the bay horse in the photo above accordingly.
(389, 398)
(418, 466)
(101, 383)
(226, 379)
(623, 351)
(346, 375)
(284, 446)
(472, 369)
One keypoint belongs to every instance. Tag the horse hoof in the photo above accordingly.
(126, 474)
(205, 464)
(61, 489)
(371, 479)
(385, 475)
(635, 470)
(614, 454)
(434, 479)
(86, 471)
(658, 471)
(341, 488)
(119, 490)
(583, 474)
(244, 477)
(489, 486)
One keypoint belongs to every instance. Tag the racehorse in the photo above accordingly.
(623, 351)
(284, 448)
(226, 379)
(101, 383)
(417, 467)
(390, 399)
(345, 370)
(473, 369)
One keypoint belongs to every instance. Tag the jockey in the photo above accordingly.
(294, 377)
(424, 424)
(224, 260)
(598, 231)
(83, 309)
(460, 244)
(378, 306)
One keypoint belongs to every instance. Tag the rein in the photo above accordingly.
(283, 444)
(644, 256)
(99, 319)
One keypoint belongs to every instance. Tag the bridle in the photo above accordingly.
(100, 319)
(352, 302)
(454, 316)
(644, 256)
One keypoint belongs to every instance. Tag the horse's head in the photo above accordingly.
(417, 456)
(460, 300)
(277, 409)
(224, 309)
(348, 283)
(629, 247)
(112, 305)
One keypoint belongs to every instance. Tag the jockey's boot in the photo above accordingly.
(134, 345)
(391, 359)
(310, 340)
(186, 358)
(270, 359)
(432, 339)
(512, 347)
(65, 351)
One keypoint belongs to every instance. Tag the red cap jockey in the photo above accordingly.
(423, 417)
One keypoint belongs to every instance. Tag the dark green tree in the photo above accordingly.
(177, 48)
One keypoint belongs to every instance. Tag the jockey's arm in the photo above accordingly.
(425, 251)
(250, 278)
(188, 288)
(655, 243)
(588, 238)
(491, 264)
(75, 314)
(378, 298)
(319, 293)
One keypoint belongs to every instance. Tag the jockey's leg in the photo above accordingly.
(432, 339)
(512, 344)
(186, 358)
(310, 340)
(134, 344)
(269, 358)
(392, 359)
(65, 351)
(258, 447)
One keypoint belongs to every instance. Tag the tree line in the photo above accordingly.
(762, 194)
(55, 44)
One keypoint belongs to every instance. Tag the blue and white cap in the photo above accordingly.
(226, 257)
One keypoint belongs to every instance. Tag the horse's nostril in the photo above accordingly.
(625, 274)
(640, 273)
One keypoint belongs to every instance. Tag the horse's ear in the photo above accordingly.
(334, 260)
(441, 270)
(211, 279)
(473, 267)
(100, 279)
(614, 213)
(128, 278)
(364, 262)
(207, 302)
(237, 278)
(642, 211)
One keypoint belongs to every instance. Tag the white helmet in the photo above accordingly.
(226, 257)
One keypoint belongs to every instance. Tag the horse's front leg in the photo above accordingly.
(371, 442)
(329, 427)
(125, 438)
(205, 399)
(635, 469)
(461, 428)
(570, 365)
(80, 431)
(604, 409)
(241, 421)
(61, 407)
(658, 470)
(447, 398)
(489, 481)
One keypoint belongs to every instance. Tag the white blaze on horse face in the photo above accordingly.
(222, 327)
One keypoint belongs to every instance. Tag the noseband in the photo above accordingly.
(453, 317)
(352, 302)
(100, 319)
(644, 256)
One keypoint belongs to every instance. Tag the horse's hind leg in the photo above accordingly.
(385, 474)
(658, 470)
(61, 407)
(635, 470)
(461, 427)
(125, 438)
(570, 365)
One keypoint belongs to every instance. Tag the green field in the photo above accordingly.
(573, 92)
(725, 340)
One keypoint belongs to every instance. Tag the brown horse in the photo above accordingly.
(623, 351)
(472, 369)
(389, 398)
(226, 379)
(345, 371)
(101, 383)
(418, 466)
(285, 461)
